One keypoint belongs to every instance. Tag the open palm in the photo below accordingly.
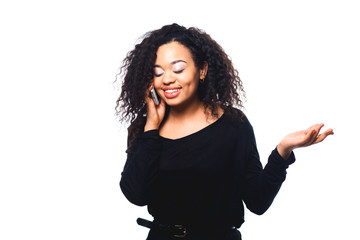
(303, 138)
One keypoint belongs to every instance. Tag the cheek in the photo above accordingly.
(157, 84)
(191, 79)
(194, 84)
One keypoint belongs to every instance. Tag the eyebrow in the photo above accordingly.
(172, 63)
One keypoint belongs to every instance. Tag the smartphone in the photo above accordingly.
(154, 96)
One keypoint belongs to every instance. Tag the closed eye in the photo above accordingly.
(158, 72)
(157, 75)
(179, 71)
(179, 67)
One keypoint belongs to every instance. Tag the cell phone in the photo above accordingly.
(154, 96)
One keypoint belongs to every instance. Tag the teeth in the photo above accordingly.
(171, 91)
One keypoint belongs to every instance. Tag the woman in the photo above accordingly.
(192, 159)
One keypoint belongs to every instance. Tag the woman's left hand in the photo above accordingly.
(303, 138)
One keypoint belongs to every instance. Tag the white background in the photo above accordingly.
(62, 150)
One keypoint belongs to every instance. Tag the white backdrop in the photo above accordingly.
(62, 150)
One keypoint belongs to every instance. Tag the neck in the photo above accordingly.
(181, 113)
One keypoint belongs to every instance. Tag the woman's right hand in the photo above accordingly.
(155, 113)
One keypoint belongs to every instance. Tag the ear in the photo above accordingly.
(203, 70)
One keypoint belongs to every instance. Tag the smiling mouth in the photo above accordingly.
(171, 93)
(172, 90)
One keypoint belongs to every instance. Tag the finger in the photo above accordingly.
(149, 101)
(316, 135)
(148, 97)
(312, 127)
(315, 129)
(162, 108)
(307, 139)
(162, 103)
(312, 137)
(324, 135)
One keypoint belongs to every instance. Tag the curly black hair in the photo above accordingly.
(222, 86)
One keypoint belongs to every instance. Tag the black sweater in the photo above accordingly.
(201, 180)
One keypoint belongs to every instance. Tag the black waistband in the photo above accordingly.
(181, 231)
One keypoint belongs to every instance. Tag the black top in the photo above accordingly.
(201, 180)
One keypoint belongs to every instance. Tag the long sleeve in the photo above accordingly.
(262, 185)
(204, 179)
(141, 168)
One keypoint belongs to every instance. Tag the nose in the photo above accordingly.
(168, 78)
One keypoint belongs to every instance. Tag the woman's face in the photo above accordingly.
(176, 78)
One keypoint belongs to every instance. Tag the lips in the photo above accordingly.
(171, 92)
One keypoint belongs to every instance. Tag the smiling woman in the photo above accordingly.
(151, 63)
(192, 158)
(178, 78)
